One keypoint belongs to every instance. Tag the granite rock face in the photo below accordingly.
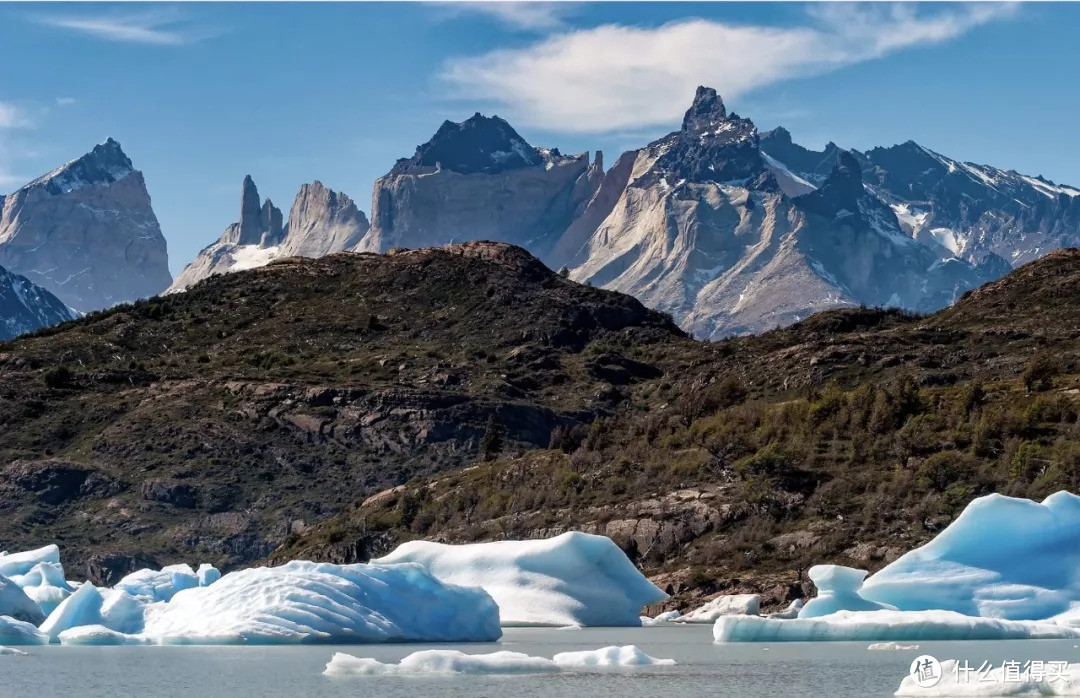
(321, 222)
(730, 241)
(25, 307)
(86, 232)
(480, 180)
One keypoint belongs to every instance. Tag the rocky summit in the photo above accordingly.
(86, 232)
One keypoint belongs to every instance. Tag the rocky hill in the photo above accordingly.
(86, 232)
(849, 437)
(211, 424)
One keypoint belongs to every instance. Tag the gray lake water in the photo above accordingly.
(828, 670)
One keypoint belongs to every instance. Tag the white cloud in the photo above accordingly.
(533, 16)
(65, 101)
(615, 77)
(12, 116)
(158, 27)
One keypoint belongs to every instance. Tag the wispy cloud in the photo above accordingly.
(160, 27)
(531, 16)
(11, 116)
(614, 77)
(65, 101)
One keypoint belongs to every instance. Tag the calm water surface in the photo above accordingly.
(826, 670)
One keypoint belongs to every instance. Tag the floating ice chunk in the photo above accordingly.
(14, 603)
(957, 684)
(207, 574)
(569, 627)
(159, 585)
(11, 651)
(88, 605)
(45, 584)
(729, 605)
(17, 632)
(838, 590)
(12, 564)
(890, 647)
(575, 578)
(880, 626)
(627, 655)
(1002, 557)
(666, 617)
(321, 602)
(99, 635)
(441, 662)
(792, 611)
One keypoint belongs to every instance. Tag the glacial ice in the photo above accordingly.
(100, 635)
(661, 619)
(13, 564)
(890, 647)
(441, 662)
(954, 684)
(207, 574)
(159, 585)
(792, 611)
(44, 583)
(111, 608)
(881, 626)
(18, 632)
(322, 602)
(426, 662)
(729, 605)
(627, 655)
(1002, 557)
(14, 603)
(11, 651)
(574, 578)
(838, 590)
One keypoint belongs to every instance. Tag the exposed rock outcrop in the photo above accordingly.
(86, 232)
(321, 222)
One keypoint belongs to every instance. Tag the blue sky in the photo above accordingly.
(202, 94)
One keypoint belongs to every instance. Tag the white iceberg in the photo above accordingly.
(661, 619)
(207, 574)
(627, 655)
(880, 626)
(441, 662)
(88, 605)
(18, 632)
(321, 602)
(99, 635)
(572, 579)
(44, 583)
(14, 564)
(1002, 557)
(728, 605)
(961, 684)
(11, 651)
(838, 590)
(14, 603)
(159, 585)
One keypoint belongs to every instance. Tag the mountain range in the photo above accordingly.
(728, 229)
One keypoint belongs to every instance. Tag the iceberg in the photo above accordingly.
(44, 583)
(99, 635)
(321, 602)
(441, 662)
(890, 647)
(14, 603)
(627, 655)
(572, 579)
(11, 651)
(14, 564)
(792, 611)
(729, 605)
(661, 619)
(159, 585)
(18, 632)
(838, 590)
(114, 609)
(207, 574)
(1002, 557)
(881, 626)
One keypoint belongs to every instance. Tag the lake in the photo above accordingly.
(828, 670)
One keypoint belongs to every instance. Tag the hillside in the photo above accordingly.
(212, 423)
(850, 437)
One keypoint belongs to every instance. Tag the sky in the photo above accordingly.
(201, 94)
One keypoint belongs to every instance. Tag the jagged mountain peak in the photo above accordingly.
(706, 111)
(478, 144)
(104, 164)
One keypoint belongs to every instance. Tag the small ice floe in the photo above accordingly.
(890, 646)
(721, 606)
(11, 651)
(954, 681)
(666, 617)
(449, 662)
